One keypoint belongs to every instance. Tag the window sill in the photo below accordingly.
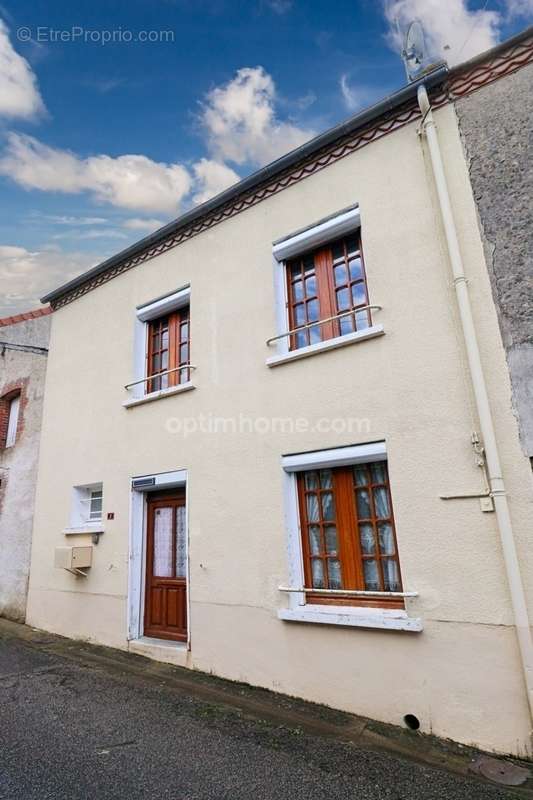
(330, 344)
(78, 530)
(148, 398)
(381, 619)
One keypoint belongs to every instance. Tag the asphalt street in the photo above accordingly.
(77, 725)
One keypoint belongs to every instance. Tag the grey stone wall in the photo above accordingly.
(18, 464)
(496, 125)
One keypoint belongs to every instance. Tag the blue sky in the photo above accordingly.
(103, 141)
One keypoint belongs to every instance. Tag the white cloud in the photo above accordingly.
(29, 274)
(241, 125)
(105, 233)
(104, 85)
(137, 182)
(355, 97)
(350, 95)
(305, 101)
(10, 251)
(240, 122)
(211, 178)
(138, 224)
(94, 233)
(19, 94)
(452, 31)
(279, 6)
(66, 220)
(36, 166)
(520, 8)
(129, 181)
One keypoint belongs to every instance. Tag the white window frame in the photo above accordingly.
(298, 609)
(96, 494)
(13, 420)
(80, 510)
(327, 230)
(143, 315)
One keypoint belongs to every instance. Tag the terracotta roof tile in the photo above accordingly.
(36, 312)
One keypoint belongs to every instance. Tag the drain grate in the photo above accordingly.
(504, 772)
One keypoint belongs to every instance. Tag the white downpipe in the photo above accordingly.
(494, 471)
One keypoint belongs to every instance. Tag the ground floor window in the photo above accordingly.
(348, 533)
(95, 505)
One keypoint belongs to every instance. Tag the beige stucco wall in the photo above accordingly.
(461, 675)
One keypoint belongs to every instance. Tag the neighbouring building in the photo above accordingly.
(23, 356)
(495, 125)
(263, 451)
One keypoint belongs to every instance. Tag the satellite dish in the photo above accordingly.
(414, 50)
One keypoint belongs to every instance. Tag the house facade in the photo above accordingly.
(262, 455)
(23, 357)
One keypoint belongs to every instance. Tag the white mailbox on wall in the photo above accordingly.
(73, 559)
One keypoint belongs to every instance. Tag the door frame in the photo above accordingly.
(174, 500)
(141, 487)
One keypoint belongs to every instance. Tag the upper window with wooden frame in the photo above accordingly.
(321, 289)
(327, 286)
(161, 348)
(168, 350)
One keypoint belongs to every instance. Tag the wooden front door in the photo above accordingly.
(165, 615)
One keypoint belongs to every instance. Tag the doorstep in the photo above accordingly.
(175, 653)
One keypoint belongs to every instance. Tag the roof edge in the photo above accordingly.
(24, 316)
(492, 52)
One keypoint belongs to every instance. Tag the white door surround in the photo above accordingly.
(140, 486)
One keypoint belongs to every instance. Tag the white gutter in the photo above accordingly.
(494, 470)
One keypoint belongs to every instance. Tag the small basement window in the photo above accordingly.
(86, 507)
(95, 505)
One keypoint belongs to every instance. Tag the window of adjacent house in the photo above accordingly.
(323, 284)
(12, 420)
(168, 350)
(348, 534)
